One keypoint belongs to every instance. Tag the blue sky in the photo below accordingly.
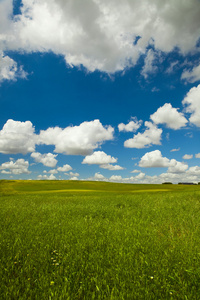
(108, 90)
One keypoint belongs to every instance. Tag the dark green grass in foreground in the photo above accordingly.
(105, 243)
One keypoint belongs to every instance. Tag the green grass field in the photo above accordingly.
(97, 240)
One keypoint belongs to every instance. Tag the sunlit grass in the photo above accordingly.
(107, 244)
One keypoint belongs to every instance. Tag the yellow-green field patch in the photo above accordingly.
(97, 240)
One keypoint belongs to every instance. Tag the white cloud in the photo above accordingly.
(131, 126)
(192, 75)
(47, 159)
(100, 34)
(195, 170)
(64, 168)
(20, 166)
(74, 174)
(175, 150)
(103, 160)
(20, 137)
(140, 176)
(74, 178)
(77, 140)
(188, 156)
(154, 159)
(177, 167)
(98, 176)
(111, 167)
(170, 116)
(192, 103)
(17, 137)
(53, 171)
(180, 175)
(197, 155)
(45, 177)
(9, 69)
(191, 175)
(115, 178)
(6, 172)
(99, 158)
(150, 136)
(149, 64)
(135, 171)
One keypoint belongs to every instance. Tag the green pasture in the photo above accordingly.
(97, 240)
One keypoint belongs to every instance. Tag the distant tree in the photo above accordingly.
(167, 183)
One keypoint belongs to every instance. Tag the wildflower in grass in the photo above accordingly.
(151, 277)
(52, 283)
(57, 264)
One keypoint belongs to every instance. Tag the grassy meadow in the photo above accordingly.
(96, 240)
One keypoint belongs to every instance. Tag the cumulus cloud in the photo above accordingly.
(190, 175)
(140, 176)
(131, 126)
(170, 116)
(192, 105)
(115, 178)
(53, 171)
(46, 177)
(197, 155)
(111, 167)
(135, 171)
(195, 170)
(177, 167)
(17, 137)
(99, 158)
(77, 140)
(64, 168)
(6, 172)
(74, 178)
(9, 69)
(47, 159)
(98, 176)
(188, 156)
(74, 174)
(102, 159)
(150, 136)
(154, 159)
(20, 166)
(100, 34)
